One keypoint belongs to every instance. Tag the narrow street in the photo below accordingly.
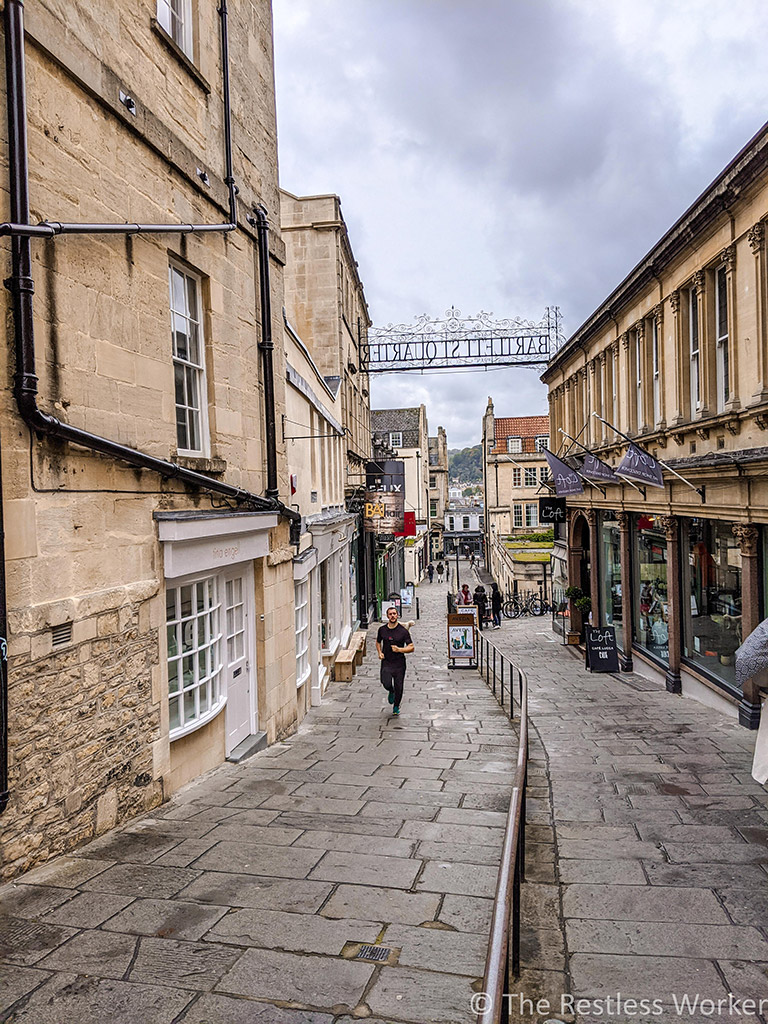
(247, 897)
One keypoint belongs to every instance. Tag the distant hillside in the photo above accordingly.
(466, 464)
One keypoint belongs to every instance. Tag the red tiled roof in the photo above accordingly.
(526, 427)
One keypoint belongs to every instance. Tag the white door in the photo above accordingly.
(238, 670)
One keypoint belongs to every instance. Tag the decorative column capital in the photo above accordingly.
(639, 329)
(699, 282)
(658, 314)
(604, 355)
(624, 339)
(581, 373)
(747, 535)
(728, 256)
(756, 237)
(623, 519)
(591, 516)
(669, 525)
(674, 302)
(567, 384)
(593, 366)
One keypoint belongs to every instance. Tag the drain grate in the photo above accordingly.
(374, 953)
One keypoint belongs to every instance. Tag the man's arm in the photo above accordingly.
(407, 649)
(379, 651)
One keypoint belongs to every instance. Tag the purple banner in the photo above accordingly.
(565, 480)
(596, 469)
(639, 465)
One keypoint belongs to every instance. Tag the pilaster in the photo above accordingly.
(756, 238)
(674, 603)
(625, 656)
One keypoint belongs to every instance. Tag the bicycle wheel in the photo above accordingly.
(511, 609)
(536, 606)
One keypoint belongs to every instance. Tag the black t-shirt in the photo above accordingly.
(399, 636)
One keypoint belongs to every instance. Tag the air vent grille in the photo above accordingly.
(62, 634)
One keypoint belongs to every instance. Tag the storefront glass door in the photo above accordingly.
(651, 608)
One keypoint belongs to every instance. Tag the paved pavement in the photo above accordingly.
(247, 897)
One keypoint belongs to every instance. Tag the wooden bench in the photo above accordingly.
(359, 646)
(344, 665)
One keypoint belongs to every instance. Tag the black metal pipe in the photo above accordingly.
(229, 177)
(266, 347)
(51, 228)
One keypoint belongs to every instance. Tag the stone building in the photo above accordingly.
(438, 491)
(148, 553)
(406, 432)
(515, 471)
(463, 531)
(328, 434)
(677, 358)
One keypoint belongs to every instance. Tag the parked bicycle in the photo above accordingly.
(525, 604)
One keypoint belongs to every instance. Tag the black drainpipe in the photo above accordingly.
(21, 286)
(266, 347)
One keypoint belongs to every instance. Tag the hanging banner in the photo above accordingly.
(596, 469)
(551, 510)
(384, 510)
(565, 480)
(639, 465)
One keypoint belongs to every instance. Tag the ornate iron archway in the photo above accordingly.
(455, 342)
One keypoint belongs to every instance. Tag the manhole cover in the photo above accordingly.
(373, 953)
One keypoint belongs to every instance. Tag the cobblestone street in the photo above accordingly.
(246, 897)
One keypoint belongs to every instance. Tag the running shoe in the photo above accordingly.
(396, 709)
(391, 697)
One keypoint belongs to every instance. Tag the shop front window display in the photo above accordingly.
(651, 607)
(610, 570)
(711, 597)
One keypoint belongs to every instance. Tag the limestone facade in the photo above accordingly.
(438, 490)
(677, 358)
(110, 568)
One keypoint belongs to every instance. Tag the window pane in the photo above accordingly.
(173, 676)
(173, 713)
(170, 604)
(186, 602)
(190, 709)
(173, 643)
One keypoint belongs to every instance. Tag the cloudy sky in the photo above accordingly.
(506, 155)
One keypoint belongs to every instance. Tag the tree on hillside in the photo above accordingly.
(466, 465)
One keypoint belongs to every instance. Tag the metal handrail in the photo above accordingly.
(504, 947)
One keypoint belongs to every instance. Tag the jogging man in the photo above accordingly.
(393, 642)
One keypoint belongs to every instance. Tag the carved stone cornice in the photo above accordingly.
(674, 302)
(679, 437)
(639, 329)
(756, 237)
(703, 433)
(747, 534)
(669, 525)
(728, 256)
(733, 426)
(661, 441)
(624, 339)
(699, 282)
(624, 520)
(762, 420)
(658, 314)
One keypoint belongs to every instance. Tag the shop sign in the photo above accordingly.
(551, 510)
(384, 508)
(602, 654)
(595, 469)
(566, 481)
(639, 465)
(461, 636)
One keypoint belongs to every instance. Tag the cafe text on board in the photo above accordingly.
(602, 654)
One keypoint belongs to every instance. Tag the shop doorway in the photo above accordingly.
(238, 661)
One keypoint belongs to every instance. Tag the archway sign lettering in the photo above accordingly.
(456, 342)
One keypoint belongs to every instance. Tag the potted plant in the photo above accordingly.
(584, 605)
(575, 595)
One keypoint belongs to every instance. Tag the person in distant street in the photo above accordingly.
(481, 601)
(496, 604)
(393, 642)
(464, 595)
(472, 560)
(440, 571)
(430, 571)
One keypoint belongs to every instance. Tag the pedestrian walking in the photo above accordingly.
(430, 571)
(464, 595)
(393, 642)
(481, 601)
(472, 560)
(440, 570)
(496, 605)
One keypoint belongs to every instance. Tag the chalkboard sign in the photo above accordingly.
(602, 653)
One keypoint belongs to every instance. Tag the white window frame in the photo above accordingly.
(514, 445)
(530, 476)
(694, 348)
(542, 442)
(451, 521)
(191, 368)
(721, 338)
(531, 514)
(433, 508)
(175, 16)
(302, 626)
(213, 641)
(395, 439)
(639, 411)
(465, 523)
(517, 511)
(543, 474)
(517, 477)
